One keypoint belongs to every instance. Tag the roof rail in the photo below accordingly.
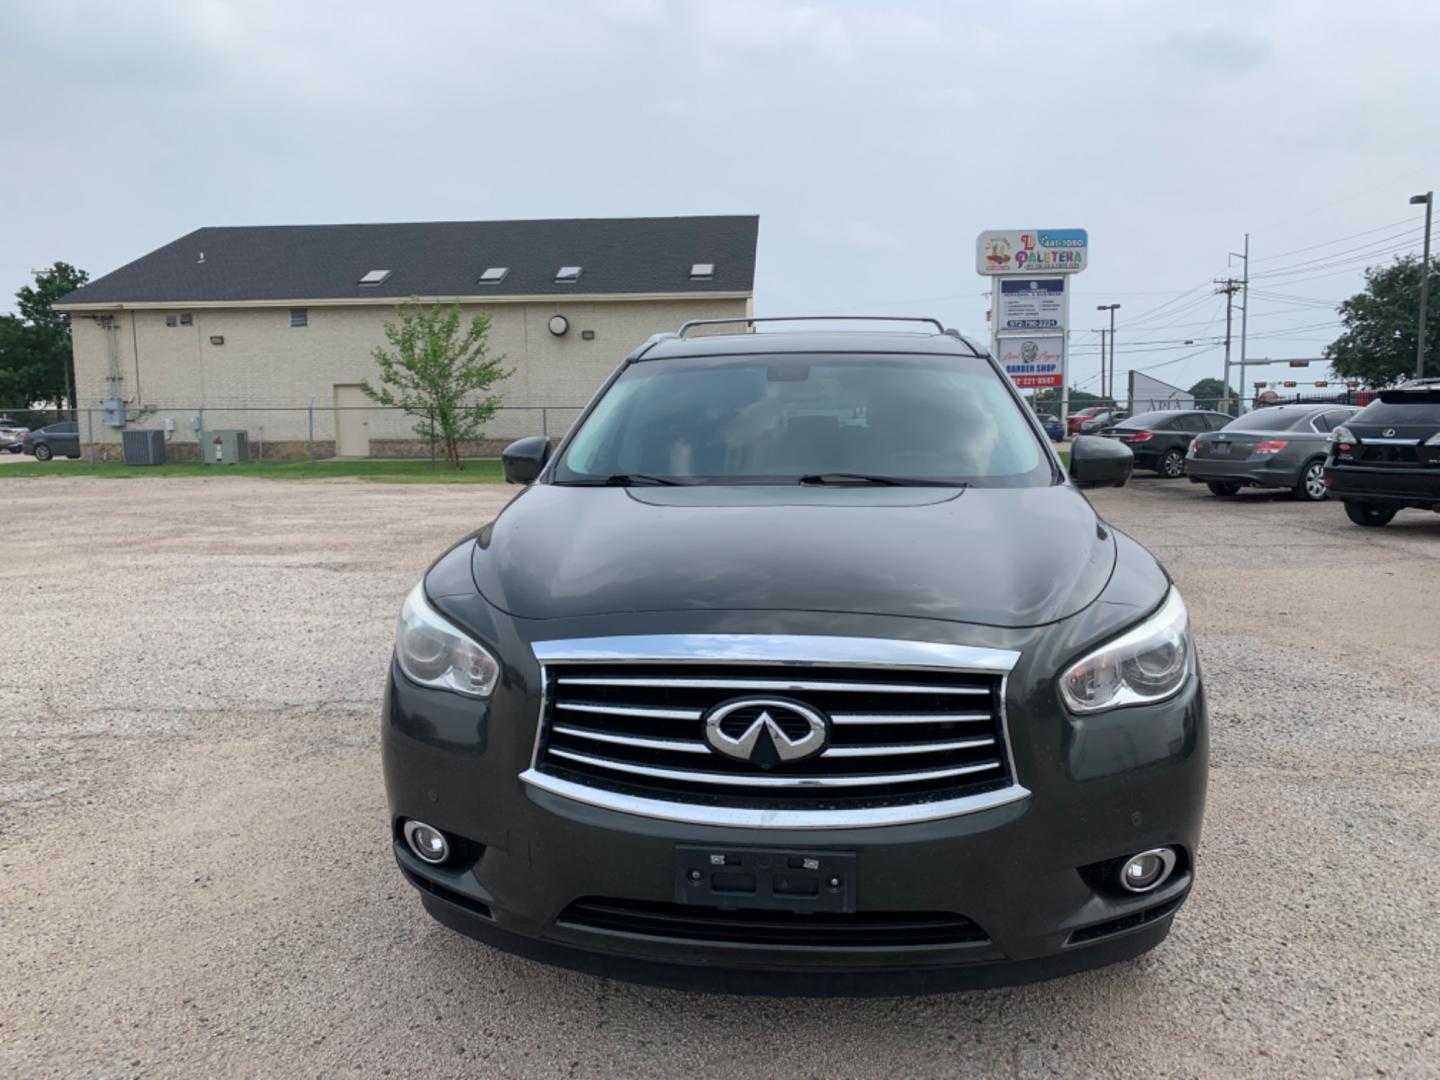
(649, 343)
(939, 326)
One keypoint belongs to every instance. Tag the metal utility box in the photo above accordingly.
(227, 447)
(144, 447)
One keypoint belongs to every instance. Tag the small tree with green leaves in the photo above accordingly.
(438, 372)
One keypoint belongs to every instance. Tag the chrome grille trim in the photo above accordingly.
(631, 710)
(762, 684)
(805, 649)
(743, 817)
(669, 745)
(908, 718)
(885, 749)
(798, 783)
(890, 774)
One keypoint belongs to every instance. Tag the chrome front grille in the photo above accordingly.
(902, 743)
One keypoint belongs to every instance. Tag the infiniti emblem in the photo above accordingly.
(765, 731)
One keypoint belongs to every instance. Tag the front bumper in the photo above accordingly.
(1418, 487)
(1100, 787)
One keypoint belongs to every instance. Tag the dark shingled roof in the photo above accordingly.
(437, 258)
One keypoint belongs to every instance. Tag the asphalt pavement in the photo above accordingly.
(195, 877)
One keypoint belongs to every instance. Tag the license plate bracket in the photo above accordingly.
(774, 879)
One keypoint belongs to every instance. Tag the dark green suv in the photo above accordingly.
(801, 665)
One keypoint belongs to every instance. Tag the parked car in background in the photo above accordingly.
(1099, 421)
(56, 440)
(11, 435)
(1051, 424)
(1159, 440)
(1386, 458)
(1281, 446)
(1081, 415)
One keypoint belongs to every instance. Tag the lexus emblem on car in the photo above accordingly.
(1389, 433)
(766, 732)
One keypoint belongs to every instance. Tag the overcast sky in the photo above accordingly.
(873, 139)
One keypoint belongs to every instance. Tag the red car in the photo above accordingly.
(1075, 419)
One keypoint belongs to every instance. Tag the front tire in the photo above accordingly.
(1223, 488)
(1311, 485)
(43, 452)
(1367, 514)
(1172, 465)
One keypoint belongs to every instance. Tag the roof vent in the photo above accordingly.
(567, 275)
(202, 258)
(493, 275)
(374, 277)
(702, 271)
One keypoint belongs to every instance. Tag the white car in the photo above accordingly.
(10, 435)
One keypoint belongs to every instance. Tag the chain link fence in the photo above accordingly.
(259, 434)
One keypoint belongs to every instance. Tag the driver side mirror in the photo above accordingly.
(1096, 461)
(524, 459)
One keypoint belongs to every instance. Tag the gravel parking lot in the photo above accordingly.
(195, 877)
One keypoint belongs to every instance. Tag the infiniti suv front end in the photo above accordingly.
(801, 666)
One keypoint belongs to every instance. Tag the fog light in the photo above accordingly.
(427, 842)
(1148, 870)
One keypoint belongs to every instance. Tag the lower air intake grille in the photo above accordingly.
(865, 929)
(890, 736)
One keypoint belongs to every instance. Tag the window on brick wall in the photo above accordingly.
(299, 316)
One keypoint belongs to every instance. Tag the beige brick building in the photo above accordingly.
(271, 330)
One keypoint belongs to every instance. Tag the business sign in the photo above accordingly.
(1033, 362)
(1031, 304)
(1031, 251)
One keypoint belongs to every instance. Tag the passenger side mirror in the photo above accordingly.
(1099, 462)
(524, 458)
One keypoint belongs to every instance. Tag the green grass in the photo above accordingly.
(476, 471)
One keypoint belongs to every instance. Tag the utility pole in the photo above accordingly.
(1108, 391)
(1428, 201)
(1228, 287)
(1244, 321)
(1102, 362)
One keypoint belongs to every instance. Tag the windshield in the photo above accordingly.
(770, 419)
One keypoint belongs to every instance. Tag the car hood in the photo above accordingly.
(1002, 557)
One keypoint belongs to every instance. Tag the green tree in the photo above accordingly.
(1378, 342)
(438, 372)
(1212, 390)
(36, 360)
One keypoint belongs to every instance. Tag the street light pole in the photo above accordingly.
(1110, 391)
(1428, 200)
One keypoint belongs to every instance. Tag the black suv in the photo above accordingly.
(1387, 456)
(801, 665)
(1159, 440)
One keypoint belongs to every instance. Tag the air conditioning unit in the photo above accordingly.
(227, 447)
(144, 447)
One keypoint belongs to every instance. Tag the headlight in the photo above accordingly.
(1148, 664)
(434, 652)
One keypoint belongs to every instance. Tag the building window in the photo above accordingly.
(702, 271)
(187, 319)
(172, 320)
(375, 277)
(493, 275)
(299, 316)
(567, 275)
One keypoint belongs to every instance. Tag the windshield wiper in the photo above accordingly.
(625, 480)
(841, 478)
